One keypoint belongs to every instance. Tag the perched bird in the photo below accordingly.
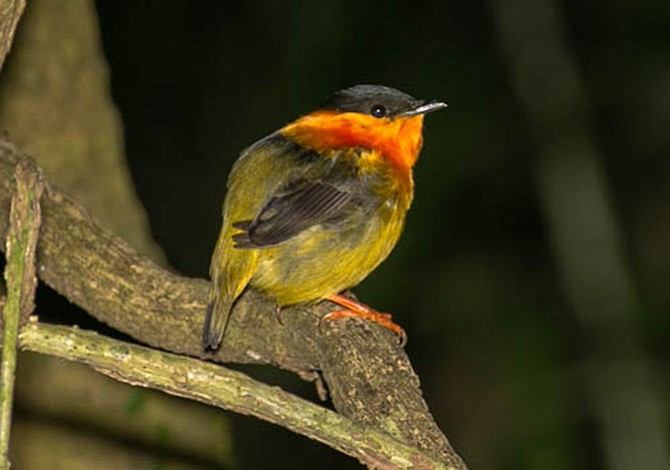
(314, 207)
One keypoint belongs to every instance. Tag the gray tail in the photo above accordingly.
(216, 321)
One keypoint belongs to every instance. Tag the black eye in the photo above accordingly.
(378, 111)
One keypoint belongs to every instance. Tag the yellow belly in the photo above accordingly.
(326, 259)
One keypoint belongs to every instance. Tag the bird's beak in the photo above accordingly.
(425, 107)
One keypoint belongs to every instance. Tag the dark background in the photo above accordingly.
(487, 278)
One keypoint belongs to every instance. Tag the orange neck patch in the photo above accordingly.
(397, 140)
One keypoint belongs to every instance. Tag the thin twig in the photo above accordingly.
(24, 222)
(224, 388)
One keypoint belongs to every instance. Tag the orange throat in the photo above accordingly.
(397, 140)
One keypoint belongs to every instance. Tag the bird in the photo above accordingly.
(314, 207)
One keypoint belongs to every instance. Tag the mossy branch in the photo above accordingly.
(24, 224)
(369, 377)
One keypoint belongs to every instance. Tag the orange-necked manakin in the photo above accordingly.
(314, 207)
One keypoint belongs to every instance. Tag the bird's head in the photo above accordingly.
(373, 117)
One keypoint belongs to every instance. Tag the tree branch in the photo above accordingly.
(218, 386)
(24, 224)
(369, 377)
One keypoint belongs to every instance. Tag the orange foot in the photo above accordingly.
(355, 309)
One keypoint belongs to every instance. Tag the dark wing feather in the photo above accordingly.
(287, 215)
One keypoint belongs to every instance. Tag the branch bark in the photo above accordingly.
(369, 377)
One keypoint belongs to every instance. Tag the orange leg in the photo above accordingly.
(353, 309)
